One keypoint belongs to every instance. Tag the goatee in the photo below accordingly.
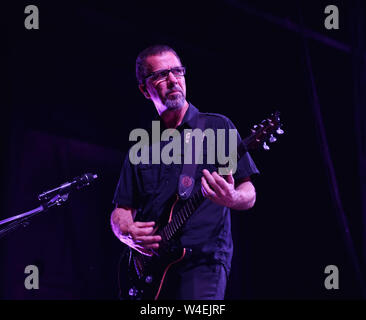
(175, 102)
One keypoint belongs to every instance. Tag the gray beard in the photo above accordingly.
(176, 103)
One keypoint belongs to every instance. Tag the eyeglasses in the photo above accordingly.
(162, 75)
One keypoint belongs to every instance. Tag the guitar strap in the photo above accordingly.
(186, 179)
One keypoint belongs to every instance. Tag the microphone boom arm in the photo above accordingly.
(61, 196)
(22, 219)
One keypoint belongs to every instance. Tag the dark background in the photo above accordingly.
(70, 100)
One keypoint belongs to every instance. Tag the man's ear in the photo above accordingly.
(143, 89)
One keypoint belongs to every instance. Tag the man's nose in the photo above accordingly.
(172, 78)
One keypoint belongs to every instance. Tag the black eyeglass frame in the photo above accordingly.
(165, 70)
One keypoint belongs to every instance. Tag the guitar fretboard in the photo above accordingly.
(181, 216)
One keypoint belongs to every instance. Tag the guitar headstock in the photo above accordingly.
(264, 132)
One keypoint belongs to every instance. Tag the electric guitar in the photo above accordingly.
(144, 275)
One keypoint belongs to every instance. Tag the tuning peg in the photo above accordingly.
(272, 138)
(133, 292)
(265, 146)
(279, 131)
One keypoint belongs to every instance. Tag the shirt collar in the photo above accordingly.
(189, 119)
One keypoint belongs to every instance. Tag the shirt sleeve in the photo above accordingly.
(245, 165)
(126, 193)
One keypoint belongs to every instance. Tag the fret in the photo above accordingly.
(189, 204)
(188, 208)
(186, 214)
(183, 217)
(194, 201)
(166, 233)
(200, 196)
(169, 230)
(177, 222)
(180, 218)
(173, 226)
(163, 234)
(189, 212)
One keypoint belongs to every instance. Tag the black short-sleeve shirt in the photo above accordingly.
(148, 188)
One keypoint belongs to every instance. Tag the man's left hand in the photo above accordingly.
(218, 189)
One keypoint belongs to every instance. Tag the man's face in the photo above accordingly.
(166, 90)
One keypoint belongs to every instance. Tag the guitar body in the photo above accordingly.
(145, 275)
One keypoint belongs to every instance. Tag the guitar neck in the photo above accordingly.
(181, 217)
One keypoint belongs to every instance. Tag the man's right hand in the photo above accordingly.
(141, 237)
(136, 234)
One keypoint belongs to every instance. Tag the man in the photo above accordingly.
(144, 190)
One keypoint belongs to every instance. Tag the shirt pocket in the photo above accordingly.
(149, 178)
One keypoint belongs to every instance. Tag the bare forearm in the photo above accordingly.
(245, 196)
(136, 234)
(222, 191)
(121, 219)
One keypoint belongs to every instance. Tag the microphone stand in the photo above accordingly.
(23, 219)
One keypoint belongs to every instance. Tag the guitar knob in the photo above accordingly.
(272, 138)
(280, 131)
(265, 146)
(148, 279)
(133, 292)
